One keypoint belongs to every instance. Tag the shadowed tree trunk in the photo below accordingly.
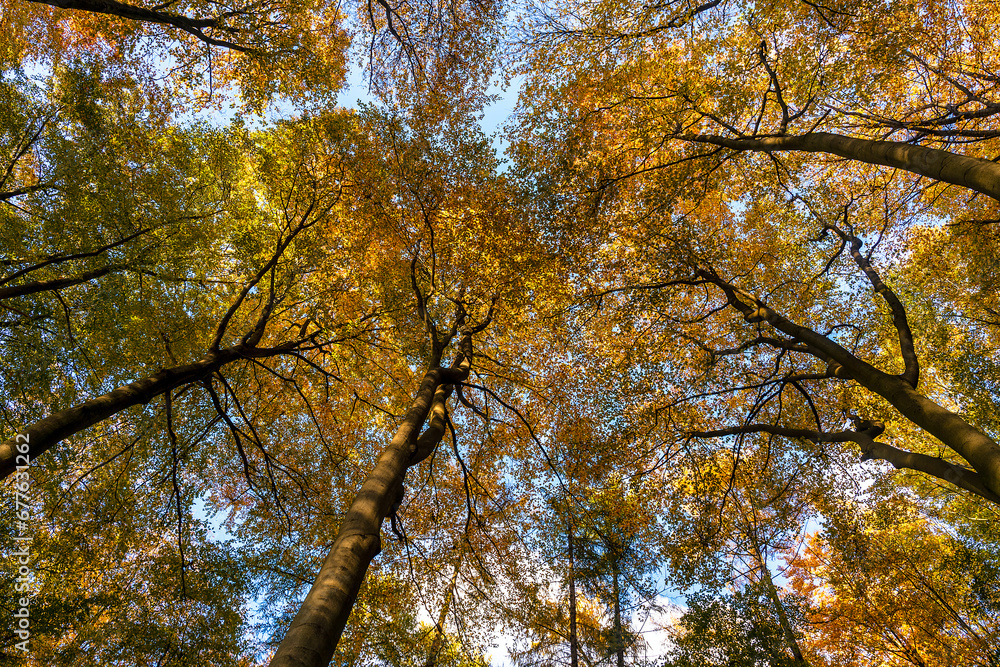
(574, 659)
(314, 632)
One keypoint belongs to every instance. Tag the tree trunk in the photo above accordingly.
(779, 607)
(619, 635)
(969, 172)
(574, 658)
(314, 632)
(438, 642)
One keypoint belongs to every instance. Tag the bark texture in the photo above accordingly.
(968, 172)
(316, 629)
(43, 434)
(981, 451)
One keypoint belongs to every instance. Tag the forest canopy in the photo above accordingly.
(694, 362)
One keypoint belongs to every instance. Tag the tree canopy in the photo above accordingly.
(693, 363)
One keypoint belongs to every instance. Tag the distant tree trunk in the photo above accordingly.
(438, 642)
(779, 607)
(619, 634)
(574, 659)
(772, 591)
(314, 632)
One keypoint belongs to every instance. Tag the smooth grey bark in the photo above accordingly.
(904, 335)
(313, 635)
(965, 439)
(969, 172)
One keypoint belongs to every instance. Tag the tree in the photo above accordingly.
(724, 630)
(642, 353)
(611, 564)
(249, 54)
(888, 591)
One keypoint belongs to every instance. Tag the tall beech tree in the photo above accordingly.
(316, 629)
(729, 295)
(426, 206)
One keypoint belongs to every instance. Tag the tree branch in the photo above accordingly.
(958, 475)
(192, 26)
(969, 172)
(911, 365)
